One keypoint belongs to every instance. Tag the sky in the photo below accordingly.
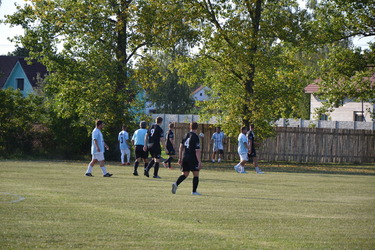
(8, 7)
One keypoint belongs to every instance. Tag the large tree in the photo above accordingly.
(88, 47)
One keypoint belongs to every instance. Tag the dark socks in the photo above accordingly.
(136, 164)
(180, 179)
(156, 169)
(195, 183)
(149, 165)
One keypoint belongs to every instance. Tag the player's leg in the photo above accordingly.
(257, 169)
(127, 152)
(91, 166)
(122, 156)
(195, 182)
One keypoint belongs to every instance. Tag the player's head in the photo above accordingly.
(99, 123)
(171, 125)
(124, 127)
(159, 120)
(252, 127)
(218, 129)
(244, 130)
(193, 126)
(142, 124)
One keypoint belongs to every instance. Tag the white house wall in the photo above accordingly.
(342, 113)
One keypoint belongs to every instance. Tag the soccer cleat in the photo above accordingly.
(174, 188)
(123, 164)
(243, 172)
(135, 173)
(128, 163)
(195, 193)
(259, 172)
(146, 173)
(107, 175)
(156, 177)
(89, 175)
(213, 161)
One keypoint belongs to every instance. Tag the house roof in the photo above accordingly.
(198, 89)
(7, 64)
(311, 88)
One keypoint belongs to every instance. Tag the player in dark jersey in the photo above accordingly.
(169, 146)
(252, 153)
(191, 160)
(154, 136)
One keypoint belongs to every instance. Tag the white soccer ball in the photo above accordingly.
(201, 135)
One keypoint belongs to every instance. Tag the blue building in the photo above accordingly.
(17, 73)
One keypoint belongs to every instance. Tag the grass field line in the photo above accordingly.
(20, 198)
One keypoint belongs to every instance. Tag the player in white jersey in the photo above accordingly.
(243, 150)
(123, 138)
(218, 148)
(97, 150)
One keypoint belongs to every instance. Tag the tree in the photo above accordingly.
(88, 47)
(164, 88)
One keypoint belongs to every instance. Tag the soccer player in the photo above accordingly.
(218, 148)
(191, 160)
(252, 153)
(243, 149)
(154, 136)
(138, 140)
(123, 138)
(97, 150)
(169, 145)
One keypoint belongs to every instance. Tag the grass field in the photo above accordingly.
(52, 205)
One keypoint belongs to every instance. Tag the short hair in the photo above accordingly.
(171, 125)
(243, 128)
(193, 125)
(159, 120)
(252, 126)
(124, 127)
(99, 122)
(142, 124)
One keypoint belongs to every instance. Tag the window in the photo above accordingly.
(20, 83)
(358, 116)
(323, 117)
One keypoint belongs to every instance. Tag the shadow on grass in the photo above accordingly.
(309, 168)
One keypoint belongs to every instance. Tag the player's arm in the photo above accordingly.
(180, 152)
(106, 146)
(145, 142)
(198, 155)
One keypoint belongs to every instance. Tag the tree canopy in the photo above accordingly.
(255, 55)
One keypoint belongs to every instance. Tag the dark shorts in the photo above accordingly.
(220, 151)
(155, 151)
(171, 151)
(189, 164)
(253, 153)
(140, 153)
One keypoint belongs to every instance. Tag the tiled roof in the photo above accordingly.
(7, 64)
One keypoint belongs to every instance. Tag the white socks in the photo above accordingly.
(104, 170)
(89, 169)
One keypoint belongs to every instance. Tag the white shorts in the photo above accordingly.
(244, 157)
(98, 156)
(125, 151)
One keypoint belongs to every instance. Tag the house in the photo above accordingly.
(16, 73)
(348, 110)
(201, 94)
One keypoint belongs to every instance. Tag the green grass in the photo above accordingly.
(289, 207)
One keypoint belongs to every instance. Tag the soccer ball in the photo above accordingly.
(201, 135)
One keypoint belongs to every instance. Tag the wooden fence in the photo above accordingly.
(317, 145)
